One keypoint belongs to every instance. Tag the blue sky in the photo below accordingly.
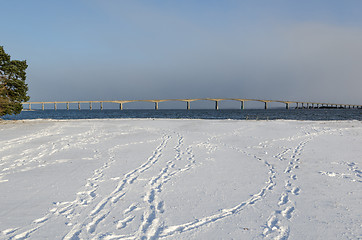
(93, 49)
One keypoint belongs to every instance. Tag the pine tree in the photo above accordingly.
(13, 89)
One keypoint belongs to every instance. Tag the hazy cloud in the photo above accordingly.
(130, 50)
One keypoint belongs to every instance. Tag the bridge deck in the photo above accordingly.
(299, 104)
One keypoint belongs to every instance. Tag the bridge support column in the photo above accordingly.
(265, 105)
(216, 105)
(29, 106)
(78, 106)
(156, 105)
(302, 105)
(67, 105)
(286, 105)
(101, 103)
(120, 106)
(242, 105)
(188, 105)
(90, 106)
(55, 106)
(317, 105)
(297, 106)
(42, 106)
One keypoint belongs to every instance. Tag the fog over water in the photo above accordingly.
(93, 50)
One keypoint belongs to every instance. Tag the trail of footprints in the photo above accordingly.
(83, 198)
(150, 226)
(152, 206)
(277, 226)
(351, 172)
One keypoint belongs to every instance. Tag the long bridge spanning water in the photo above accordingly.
(288, 104)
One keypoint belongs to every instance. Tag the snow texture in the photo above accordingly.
(180, 179)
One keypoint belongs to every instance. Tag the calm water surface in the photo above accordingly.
(249, 114)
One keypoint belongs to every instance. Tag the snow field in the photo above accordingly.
(180, 179)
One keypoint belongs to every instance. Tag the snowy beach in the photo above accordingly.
(180, 179)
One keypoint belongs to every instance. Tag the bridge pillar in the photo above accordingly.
(29, 106)
(42, 106)
(67, 105)
(90, 106)
(156, 105)
(265, 105)
(101, 105)
(188, 105)
(78, 106)
(120, 106)
(297, 105)
(216, 105)
(286, 105)
(55, 106)
(242, 105)
(307, 105)
(317, 105)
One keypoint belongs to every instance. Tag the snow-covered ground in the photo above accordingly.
(180, 179)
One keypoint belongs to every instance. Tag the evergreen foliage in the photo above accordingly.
(13, 89)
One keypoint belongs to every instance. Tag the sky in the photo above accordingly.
(308, 50)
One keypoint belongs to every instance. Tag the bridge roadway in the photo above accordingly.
(188, 103)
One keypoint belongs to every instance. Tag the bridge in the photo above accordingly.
(188, 101)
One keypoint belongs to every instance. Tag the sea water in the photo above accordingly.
(245, 114)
